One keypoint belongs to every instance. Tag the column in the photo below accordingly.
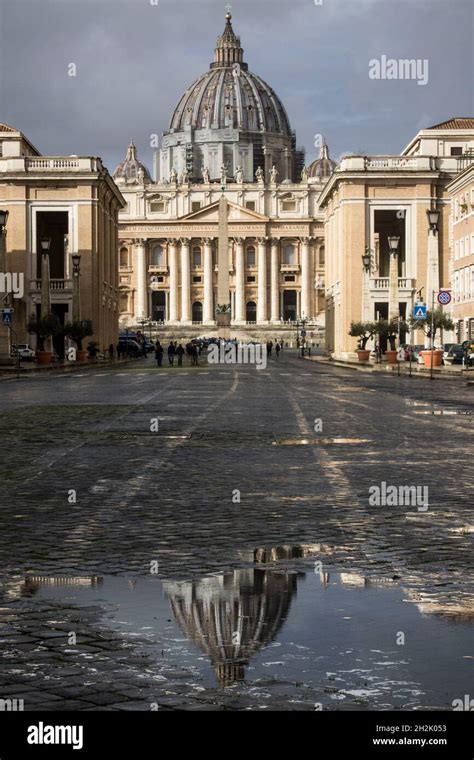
(140, 274)
(305, 279)
(185, 281)
(432, 267)
(274, 283)
(208, 310)
(393, 308)
(239, 281)
(173, 267)
(262, 281)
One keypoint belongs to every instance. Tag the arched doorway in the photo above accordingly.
(251, 312)
(197, 312)
(289, 305)
(158, 305)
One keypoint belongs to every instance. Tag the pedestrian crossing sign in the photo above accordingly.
(419, 311)
(7, 316)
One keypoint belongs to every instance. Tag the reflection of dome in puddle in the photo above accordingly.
(232, 615)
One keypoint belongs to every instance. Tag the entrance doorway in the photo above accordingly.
(197, 312)
(251, 312)
(289, 305)
(158, 305)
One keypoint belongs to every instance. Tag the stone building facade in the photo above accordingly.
(368, 199)
(229, 134)
(461, 191)
(73, 201)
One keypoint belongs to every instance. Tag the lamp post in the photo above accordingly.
(5, 334)
(366, 264)
(432, 270)
(76, 291)
(393, 245)
(45, 244)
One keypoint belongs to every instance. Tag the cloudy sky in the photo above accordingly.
(134, 58)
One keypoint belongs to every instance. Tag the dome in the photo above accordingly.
(323, 166)
(230, 96)
(132, 170)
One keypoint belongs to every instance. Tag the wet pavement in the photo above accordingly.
(203, 538)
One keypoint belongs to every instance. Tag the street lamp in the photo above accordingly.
(393, 243)
(45, 244)
(366, 260)
(433, 219)
(393, 246)
(76, 273)
(3, 219)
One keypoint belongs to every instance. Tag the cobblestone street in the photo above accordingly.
(229, 507)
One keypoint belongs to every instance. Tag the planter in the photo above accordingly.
(437, 358)
(81, 356)
(391, 357)
(44, 357)
(363, 355)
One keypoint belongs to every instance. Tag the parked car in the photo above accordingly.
(24, 350)
(457, 355)
(131, 346)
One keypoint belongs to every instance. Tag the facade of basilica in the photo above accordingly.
(229, 135)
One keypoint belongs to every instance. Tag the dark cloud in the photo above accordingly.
(134, 59)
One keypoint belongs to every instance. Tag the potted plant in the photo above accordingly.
(364, 331)
(43, 328)
(441, 321)
(93, 349)
(390, 329)
(77, 331)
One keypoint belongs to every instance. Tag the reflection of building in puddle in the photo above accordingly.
(264, 555)
(232, 615)
(30, 585)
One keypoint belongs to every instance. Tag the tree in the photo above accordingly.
(390, 329)
(77, 331)
(364, 331)
(441, 321)
(43, 328)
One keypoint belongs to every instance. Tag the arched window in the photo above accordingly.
(251, 312)
(123, 257)
(289, 256)
(158, 256)
(197, 311)
(196, 256)
(251, 256)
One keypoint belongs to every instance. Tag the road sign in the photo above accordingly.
(444, 297)
(419, 311)
(303, 333)
(7, 317)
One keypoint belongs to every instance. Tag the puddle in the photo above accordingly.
(443, 412)
(276, 635)
(319, 441)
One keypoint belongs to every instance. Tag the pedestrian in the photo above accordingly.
(111, 351)
(194, 355)
(171, 353)
(269, 347)
(277, 350)
(179, 354)
(159, 353)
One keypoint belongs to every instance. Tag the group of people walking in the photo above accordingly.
(278, 347)
(176, 351)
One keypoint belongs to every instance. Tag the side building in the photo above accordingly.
(370, 199)
(461, 191)
(72, 202)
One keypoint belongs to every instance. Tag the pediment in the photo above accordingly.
(235, 214)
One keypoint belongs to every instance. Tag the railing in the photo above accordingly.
(154, 268)
(290, 267)
(383, 283)
(54, 285)
(391, 162)
(62, 163)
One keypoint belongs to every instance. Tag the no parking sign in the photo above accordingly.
(444, 297)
